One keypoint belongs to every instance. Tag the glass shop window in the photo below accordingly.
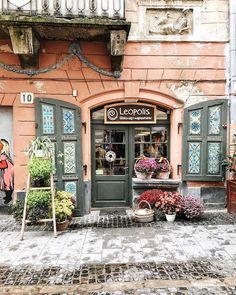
(151, 141)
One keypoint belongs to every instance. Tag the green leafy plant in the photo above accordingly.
(40, 143)
(38, 204)
(40, 168)
(64, 206)
(17, 210)
(230, 161)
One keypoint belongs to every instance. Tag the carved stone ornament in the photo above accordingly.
(169, 21)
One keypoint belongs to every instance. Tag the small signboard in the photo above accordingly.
(131, 113)
(27, 97)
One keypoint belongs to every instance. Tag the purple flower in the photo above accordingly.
(145, 165)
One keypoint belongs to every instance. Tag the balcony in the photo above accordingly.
(70, 20)
(113, 9)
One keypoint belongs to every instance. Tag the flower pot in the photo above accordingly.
(170, 217)
(39, 153)
(62, 225)
(163, 175)
(144, 175)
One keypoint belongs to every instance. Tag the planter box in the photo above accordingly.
(231, 196)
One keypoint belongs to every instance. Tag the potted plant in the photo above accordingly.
(230, 164)
(144, 167)
(163, 168)
(40, 170)
(64, 206)
(41, 146)
(170, 204)
(192, 207)
(38, 204)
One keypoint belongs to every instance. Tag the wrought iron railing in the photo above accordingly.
(65, 8)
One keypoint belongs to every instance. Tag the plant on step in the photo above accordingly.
(64, 205)
(38, 203)
(17, 210)
(170, 202)
(151, 196)
(42, 143)
(192, 207)
(39, 168)
(230, 161)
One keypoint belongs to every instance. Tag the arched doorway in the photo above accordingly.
(114, 150)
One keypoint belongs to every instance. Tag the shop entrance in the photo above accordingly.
(111, 167)
(115, 148)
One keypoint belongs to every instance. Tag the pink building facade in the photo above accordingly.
(175, 59)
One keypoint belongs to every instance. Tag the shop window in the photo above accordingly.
(151, 141)
(204, 141)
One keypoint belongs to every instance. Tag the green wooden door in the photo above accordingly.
(110, 167)
(61, 122)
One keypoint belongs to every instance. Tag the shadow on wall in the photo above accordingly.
(6, 172)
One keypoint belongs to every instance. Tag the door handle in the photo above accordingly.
(126, 168)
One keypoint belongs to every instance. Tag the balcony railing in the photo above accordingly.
(65, 8)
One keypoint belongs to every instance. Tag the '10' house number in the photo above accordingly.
(26, 97)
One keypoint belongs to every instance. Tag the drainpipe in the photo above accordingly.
(232, 61)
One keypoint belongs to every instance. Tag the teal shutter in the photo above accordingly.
(61, 122)
(204, 141)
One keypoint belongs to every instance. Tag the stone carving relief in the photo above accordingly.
(169, 21)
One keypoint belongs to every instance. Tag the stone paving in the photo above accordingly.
(156, 258)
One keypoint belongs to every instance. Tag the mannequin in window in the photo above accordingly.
(154, 149)
(100, 155)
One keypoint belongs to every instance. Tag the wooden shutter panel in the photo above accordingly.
(204, 141)
(61, 122)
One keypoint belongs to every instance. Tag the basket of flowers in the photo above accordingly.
(144, 167)
(144, 214)
(163, 168)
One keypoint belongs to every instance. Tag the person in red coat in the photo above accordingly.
(6, 171)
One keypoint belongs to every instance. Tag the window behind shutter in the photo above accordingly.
(204, 141)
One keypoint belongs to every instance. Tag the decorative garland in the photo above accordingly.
(74, 50)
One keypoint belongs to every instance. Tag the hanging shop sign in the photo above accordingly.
(132, 113)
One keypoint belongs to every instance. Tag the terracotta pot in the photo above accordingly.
(62, 225)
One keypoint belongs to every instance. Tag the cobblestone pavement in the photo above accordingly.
(169, 278)
(94, 220)
(114, 255)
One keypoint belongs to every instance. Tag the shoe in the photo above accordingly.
(7, 200)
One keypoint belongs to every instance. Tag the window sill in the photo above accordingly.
(154, 183)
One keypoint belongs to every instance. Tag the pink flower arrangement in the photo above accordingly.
(170, 202)
(145, 165)
(192, 207)
(163, 165)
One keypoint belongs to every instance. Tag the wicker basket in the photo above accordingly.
(164, 175)
(144, 214)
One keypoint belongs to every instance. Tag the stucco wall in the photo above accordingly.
(208, 19)
(168, 74)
